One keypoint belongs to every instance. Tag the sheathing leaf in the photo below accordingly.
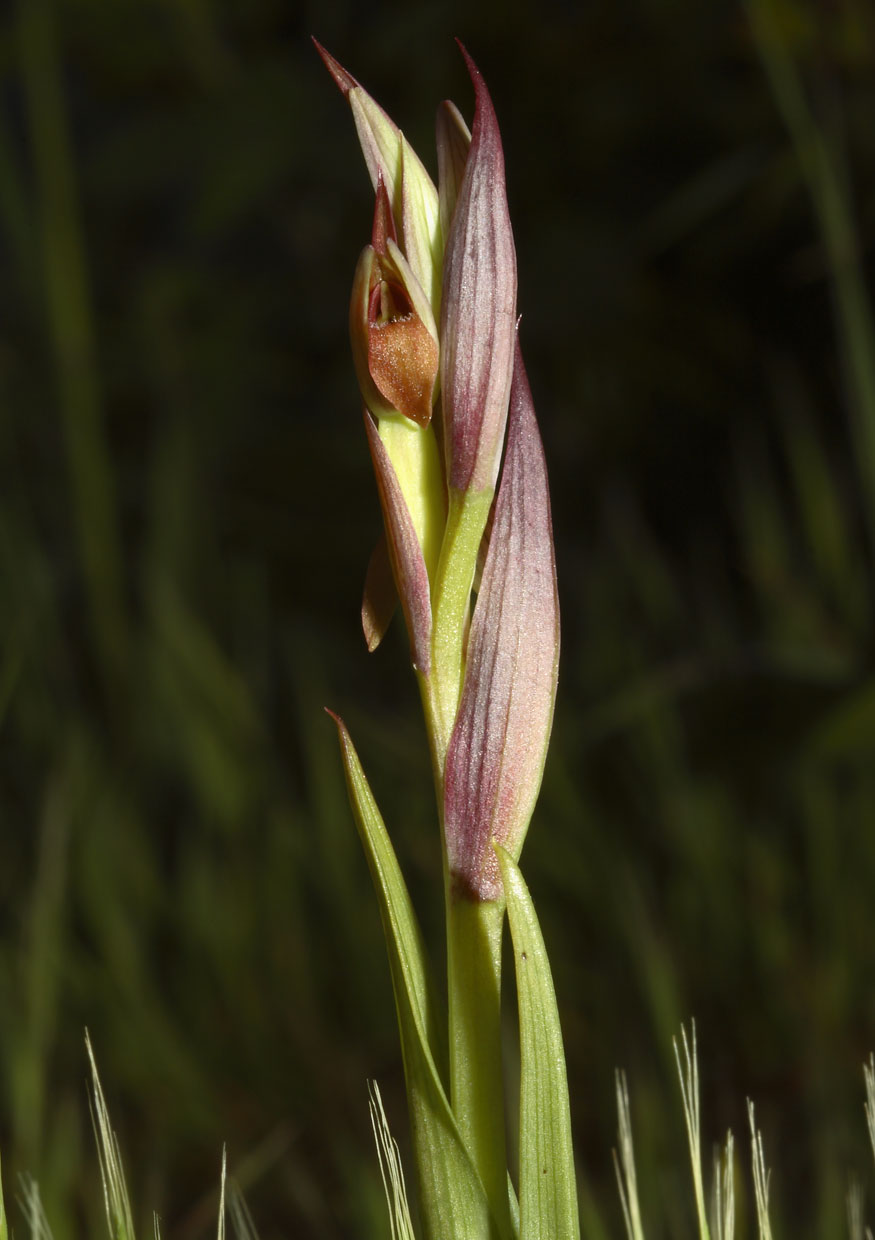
(548, 1186)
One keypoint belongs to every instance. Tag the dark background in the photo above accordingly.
(186, 511)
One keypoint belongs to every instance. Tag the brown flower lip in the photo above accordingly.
(395, 350)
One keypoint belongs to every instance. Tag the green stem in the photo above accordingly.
(466, 521)
(476, 1081)
(473, 929)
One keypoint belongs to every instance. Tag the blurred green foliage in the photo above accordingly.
(185, 516)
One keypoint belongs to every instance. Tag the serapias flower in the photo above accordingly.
(488, 678)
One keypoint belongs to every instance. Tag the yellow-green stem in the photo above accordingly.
(476, 1081)
(451, 596)
(473, 930)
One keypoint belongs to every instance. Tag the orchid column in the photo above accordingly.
(439, 404)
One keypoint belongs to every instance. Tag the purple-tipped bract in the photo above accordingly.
(478, 315)
(499, 743)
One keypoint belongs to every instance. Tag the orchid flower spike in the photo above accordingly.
(462, 481)
(436, 415)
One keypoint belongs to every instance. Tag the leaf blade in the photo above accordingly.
(452, 1198)
(548, 1186)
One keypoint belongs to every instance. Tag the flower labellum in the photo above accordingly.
(392, 329)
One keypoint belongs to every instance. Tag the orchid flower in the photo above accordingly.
(461, 476)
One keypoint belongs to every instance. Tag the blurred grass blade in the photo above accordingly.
(828, 188)
(846, 730)
(723, 1200)
(119, 1220)
(760, 1177)
(4, 1229)
(71, 326)
(452, 1197)
(221, 1224)
(390, 1168)
(869, 1105)
(854, 1203)
(241, 1219)
(44, 963)
(32, 1208)
(624, 1163)
(548, 1188)
(688, 1073)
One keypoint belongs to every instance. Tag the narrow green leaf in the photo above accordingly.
(548, 1188)
(452, 1200)
(119, 1219)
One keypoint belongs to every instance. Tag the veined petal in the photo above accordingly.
(499, 743)
(420, 225)
(478, 308)
(453, 141)
(405, 552)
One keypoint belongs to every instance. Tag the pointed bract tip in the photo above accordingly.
(476, 75)
(482, 98)
(342, 733)
(461, 46)
(345, 81)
